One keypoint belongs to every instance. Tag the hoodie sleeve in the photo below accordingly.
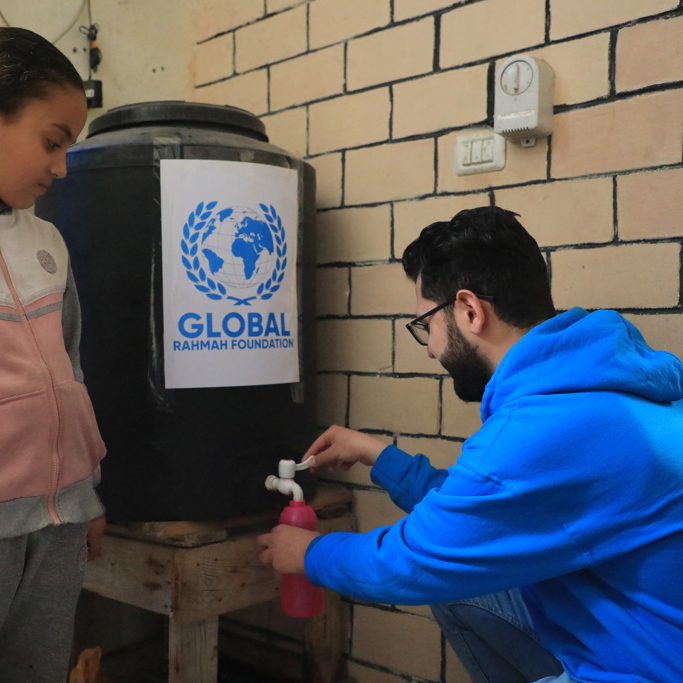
(471, 536)
(71, 324)
(443, 550)
(406, 478)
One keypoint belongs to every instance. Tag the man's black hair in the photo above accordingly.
(487, 251)
(29, 65)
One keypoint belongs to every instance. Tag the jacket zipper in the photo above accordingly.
(51, 505)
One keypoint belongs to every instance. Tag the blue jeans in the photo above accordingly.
(495, 640)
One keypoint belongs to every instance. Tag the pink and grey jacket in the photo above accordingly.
(50, 447)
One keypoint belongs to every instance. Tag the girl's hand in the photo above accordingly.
(94, 536)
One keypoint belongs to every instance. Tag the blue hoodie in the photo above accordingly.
(572, 489)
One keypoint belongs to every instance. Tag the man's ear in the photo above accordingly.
(471, 313)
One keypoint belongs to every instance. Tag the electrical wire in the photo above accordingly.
(91, 31)
(63, 33)
(95, 54)
(73, 23)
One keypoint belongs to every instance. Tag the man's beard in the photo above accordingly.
(468, 368)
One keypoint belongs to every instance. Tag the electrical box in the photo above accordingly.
(93, 93)
(479, 152)
(524, 92)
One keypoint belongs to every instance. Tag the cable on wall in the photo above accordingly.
(63, 33)
(95, 56)
(93, 88)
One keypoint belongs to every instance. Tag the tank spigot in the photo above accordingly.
(284, 483)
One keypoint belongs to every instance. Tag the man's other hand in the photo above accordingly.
(285, 548)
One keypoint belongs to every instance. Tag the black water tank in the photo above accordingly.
(173, 454)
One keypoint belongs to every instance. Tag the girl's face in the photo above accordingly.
(34, 142)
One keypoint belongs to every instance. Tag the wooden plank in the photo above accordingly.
(170, 568)
(331, 501)
(191, 583)
(182, 534)
(193, 651)
(134, 572)
(222, 577)
(323, 642)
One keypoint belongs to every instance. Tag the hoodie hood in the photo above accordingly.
(580, 351)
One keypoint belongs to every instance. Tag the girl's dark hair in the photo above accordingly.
(29, 65)
(487, 251)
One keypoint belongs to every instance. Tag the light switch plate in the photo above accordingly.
(480, 152)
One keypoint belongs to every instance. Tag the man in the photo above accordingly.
(571, 491)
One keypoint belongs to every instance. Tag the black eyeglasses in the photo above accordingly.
(420, 329)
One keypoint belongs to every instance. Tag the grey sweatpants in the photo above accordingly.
(40, 580)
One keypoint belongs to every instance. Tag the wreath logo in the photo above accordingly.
(199, 225)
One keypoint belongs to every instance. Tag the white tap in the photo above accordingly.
(284, 482)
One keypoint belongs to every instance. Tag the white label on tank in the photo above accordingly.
(229, 242)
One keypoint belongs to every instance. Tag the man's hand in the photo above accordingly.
(94, 536)
(341, 448)
(285, 548)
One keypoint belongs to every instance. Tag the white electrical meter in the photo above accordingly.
(523, 108)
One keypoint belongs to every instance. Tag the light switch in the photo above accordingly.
(486, 150)
(476, 151)
(480, 152)
(466, 154)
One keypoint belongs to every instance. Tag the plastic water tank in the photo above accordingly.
(173, 454)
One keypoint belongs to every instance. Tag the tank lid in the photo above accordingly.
(177, 111)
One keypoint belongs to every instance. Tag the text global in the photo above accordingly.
(234, 325)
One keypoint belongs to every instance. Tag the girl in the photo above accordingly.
(49, 443)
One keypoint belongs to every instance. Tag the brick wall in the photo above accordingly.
(373, 93)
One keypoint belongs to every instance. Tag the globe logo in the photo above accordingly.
(239, 247)
(234, 248)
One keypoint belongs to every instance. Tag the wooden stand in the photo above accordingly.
(194, 571)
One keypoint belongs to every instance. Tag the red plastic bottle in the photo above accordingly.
(298, 596)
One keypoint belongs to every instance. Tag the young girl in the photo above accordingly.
(50, 447)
